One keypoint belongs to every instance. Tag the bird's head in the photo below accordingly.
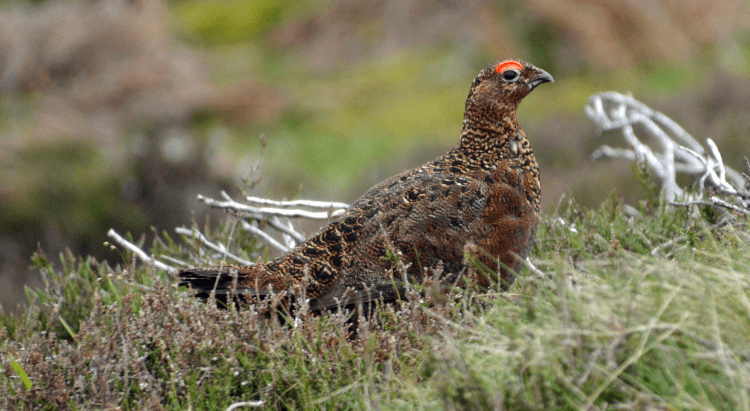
(503, 85)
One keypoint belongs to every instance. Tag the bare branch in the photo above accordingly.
(613, 111)
(137, 251)
(265, 237)
(326, 205)
(612, 152)
(539, 273)
(253, 404)
(289, 240)
(175, 261)
(261, 212)
(714, 202)
(721, 203)
(219, 248)
(669, 243)
(274, 222)
(717, 156)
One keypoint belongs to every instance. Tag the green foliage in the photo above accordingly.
(65, 182)
(608, 325)
(21, 374)
(642, 175)
(359, 115)
(230, 22)
(541, 39)
(227, 22)
(669, 78)
(68, 186)
(627, 330)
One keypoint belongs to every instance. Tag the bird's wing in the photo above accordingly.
(427, 217)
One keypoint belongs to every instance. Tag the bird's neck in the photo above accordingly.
(491, 133)
(491, 143)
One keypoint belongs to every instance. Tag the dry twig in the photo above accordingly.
(194, 233)
(276, 217)
(262, 212)
(679, 152)
(137, 251)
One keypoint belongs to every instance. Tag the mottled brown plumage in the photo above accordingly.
(485, 192)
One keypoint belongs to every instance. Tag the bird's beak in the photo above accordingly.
(543, 77)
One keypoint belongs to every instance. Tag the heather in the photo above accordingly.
(601, 323)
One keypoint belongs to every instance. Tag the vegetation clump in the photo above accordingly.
(638, 312)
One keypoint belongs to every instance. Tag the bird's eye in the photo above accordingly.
(510, 75)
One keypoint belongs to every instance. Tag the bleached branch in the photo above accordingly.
(262, 212)
(678, 151)
(262, 217)
(174, 261)
(715, 202)
(613, 152)
(298, 203)
(668, 244)
(275, 221)
(539, 273)
(137, 251)
(218, 248)
(265, 237)
(289, 240)
(274, 217)
(252, 404)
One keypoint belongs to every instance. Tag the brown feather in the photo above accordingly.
(483, 193)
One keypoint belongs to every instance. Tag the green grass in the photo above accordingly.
(608, 326)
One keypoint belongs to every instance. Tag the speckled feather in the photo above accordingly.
(485, 192)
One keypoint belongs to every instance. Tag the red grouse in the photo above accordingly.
(485, 191)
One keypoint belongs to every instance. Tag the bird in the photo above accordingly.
(476, 204)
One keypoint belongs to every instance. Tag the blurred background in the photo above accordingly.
(116, 114)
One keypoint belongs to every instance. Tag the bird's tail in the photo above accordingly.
(222, 280)
(228, 284)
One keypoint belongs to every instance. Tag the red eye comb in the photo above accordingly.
(509, 65)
